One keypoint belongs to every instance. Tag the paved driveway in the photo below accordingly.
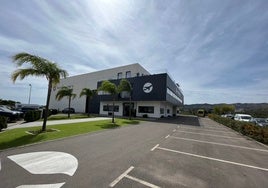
(151, 154)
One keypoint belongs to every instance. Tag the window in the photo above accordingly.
(128, 74)
(161, 110)
(168, 111)
(146, 109)
(119, 75)
(110, 108)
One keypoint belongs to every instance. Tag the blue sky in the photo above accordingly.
(217, 50)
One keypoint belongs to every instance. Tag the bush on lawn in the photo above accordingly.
(246, 128)
(3, 122)
(145, 115)
(32, 115)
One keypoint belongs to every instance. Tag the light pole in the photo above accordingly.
(30, 93)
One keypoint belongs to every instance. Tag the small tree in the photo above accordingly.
(126, 86)
(111, 88)
(89, 94)
(66, 92)
(38, 67)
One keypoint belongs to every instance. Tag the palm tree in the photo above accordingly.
(66, 92)
(39, 67)
(89, 94)
(126, 86)
(111, 88)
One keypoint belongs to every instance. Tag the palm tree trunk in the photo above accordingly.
(113, 112)
(88, 107)
(130, 107)
(47, 105)
(69, 107)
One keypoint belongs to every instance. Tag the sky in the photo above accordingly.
(217, 50)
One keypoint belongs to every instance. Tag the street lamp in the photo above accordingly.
(30, 93)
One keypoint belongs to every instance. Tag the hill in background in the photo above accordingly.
(254, 109)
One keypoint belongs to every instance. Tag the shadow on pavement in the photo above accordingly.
(184, 120)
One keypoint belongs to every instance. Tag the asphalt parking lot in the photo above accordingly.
(209, 155)
(181, 152)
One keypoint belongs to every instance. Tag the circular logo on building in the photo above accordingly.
(148, 87)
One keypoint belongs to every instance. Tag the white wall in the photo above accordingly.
(110, 103)
(90, 81)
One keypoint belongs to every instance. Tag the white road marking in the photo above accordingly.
(57, 185)
(167, 136)
(154, 147)
(213, 159)
(178, 126)
(141, 181)
(211, 135)
(0, 165)
(207, 130)
(174, 130)
(215, 128)
(46, 162)
(217, 143)
(121, 177)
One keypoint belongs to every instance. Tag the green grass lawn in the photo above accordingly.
(19, 137)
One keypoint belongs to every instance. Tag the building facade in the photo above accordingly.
(154, 95)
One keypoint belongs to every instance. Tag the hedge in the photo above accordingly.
(3, 122)
(246, 128)
(32, 115)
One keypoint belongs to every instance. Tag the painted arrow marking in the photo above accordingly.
(46, 162)
(57, 185)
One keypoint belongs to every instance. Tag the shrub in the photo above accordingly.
(246, 128)
(32, 115)
(145, 115)
(3, 122)
(54, 111)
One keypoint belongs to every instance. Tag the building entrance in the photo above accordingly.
(126, 109)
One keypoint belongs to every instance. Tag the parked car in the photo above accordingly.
(11, 115)
(68, 110)
(20, 114)
(243, 117)
(29, 108)
(260, 122)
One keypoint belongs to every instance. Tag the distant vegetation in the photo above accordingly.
(254, 109)
(7, 102)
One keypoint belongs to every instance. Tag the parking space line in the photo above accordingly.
(167, 136)
(142, 182)
(121, 177)
(211, 135)
(217, 143)
(213, 159)
(154, 147)
(203, 129)
(215, 128)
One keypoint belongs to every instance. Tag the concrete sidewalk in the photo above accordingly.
(56, 122)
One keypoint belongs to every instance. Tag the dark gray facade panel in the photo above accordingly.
(157, 84)
(158, 92)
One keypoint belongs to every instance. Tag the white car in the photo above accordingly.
(243, 117)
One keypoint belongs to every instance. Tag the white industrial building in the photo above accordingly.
(155, 95)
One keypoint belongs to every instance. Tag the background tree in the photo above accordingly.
(66, 92)
(126, 86)
(111, 88)
(89, 94)
(39, 67)
(224, 109)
